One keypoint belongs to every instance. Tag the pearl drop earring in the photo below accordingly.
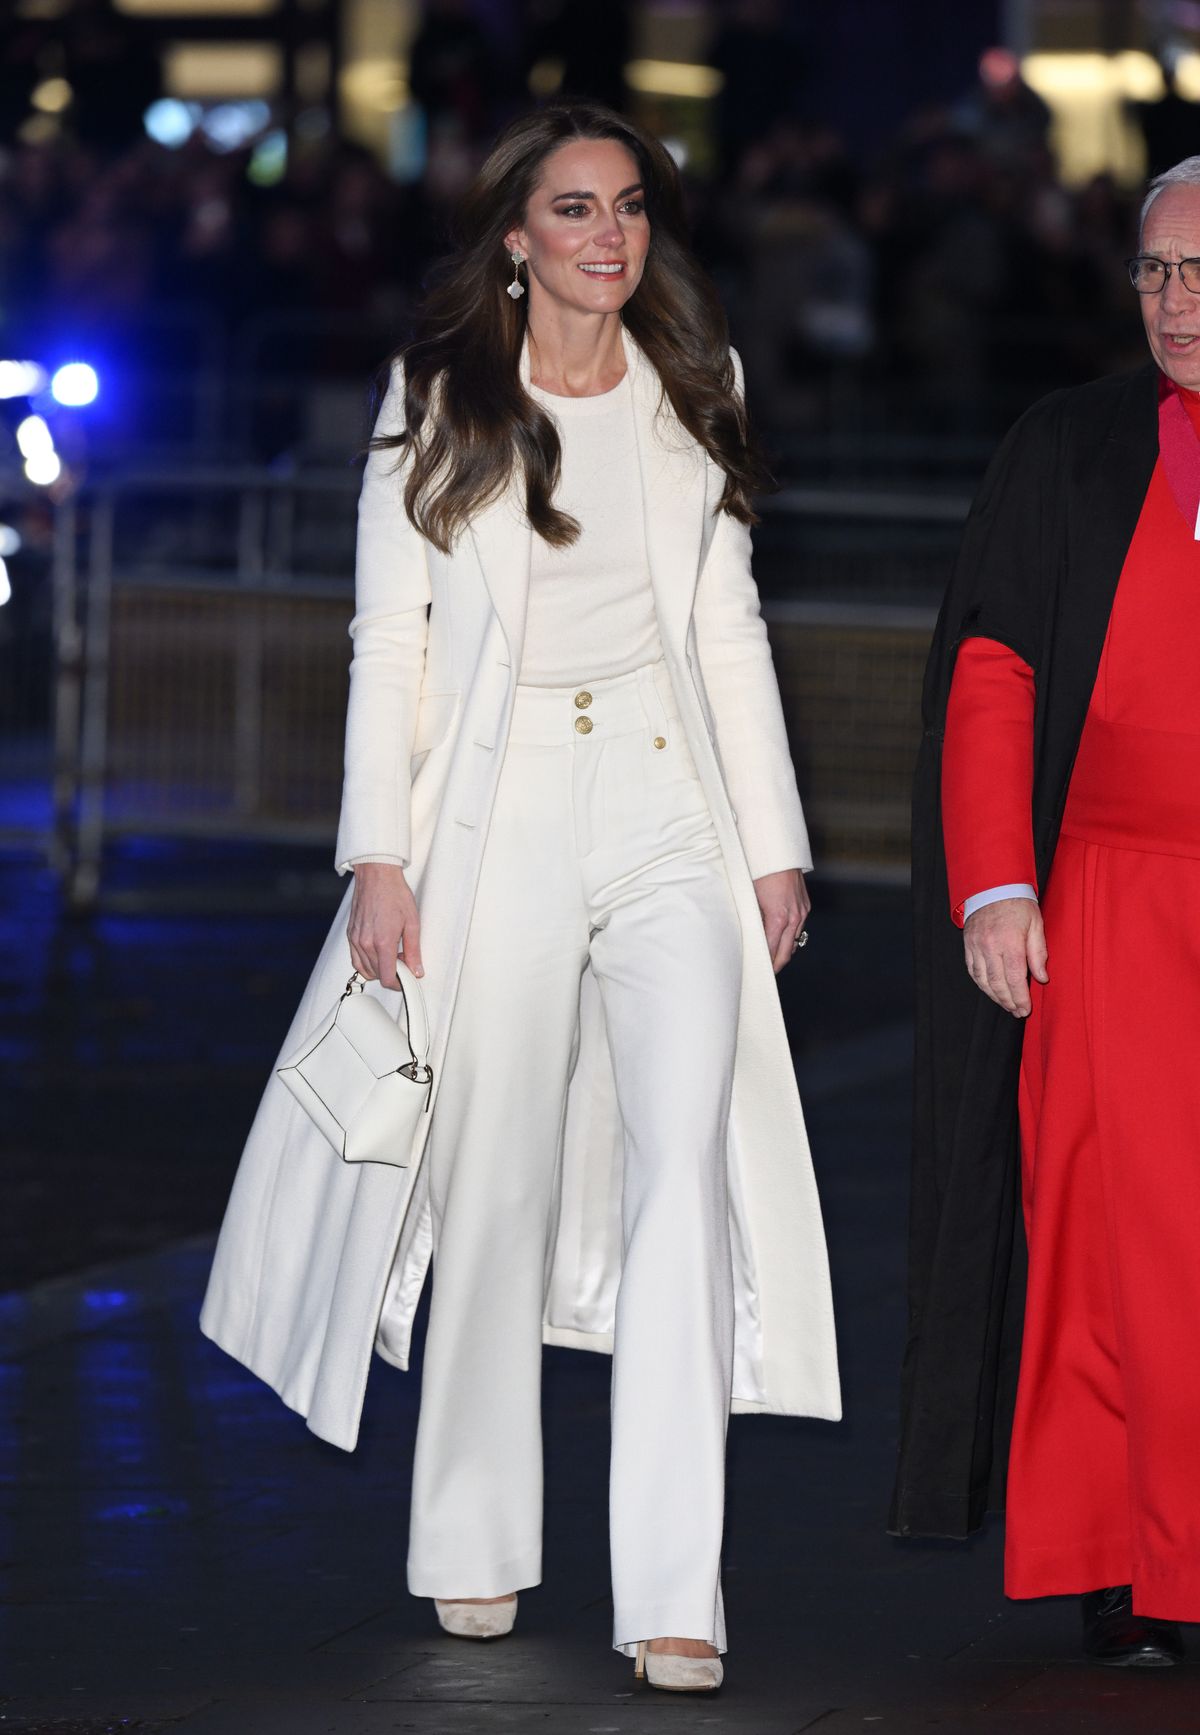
(516, 288)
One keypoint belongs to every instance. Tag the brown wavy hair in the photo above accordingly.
(465, 360)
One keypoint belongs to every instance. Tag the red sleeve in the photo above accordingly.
(987, 773)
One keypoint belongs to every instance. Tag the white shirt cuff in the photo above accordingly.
(980, 900)
(355, 861)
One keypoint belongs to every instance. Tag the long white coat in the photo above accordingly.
(319, 1262)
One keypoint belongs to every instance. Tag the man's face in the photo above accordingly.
(1172, 319)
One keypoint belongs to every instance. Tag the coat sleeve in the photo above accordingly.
(388, 634)
(739, 678)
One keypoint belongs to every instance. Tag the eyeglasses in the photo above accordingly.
(1149, 275)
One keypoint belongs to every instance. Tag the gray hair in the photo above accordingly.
(1184, 174)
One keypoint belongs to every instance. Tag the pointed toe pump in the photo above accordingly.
(672, 1674)
(477, 1620)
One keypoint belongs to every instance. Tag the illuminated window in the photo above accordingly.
(1087, 94)
(222, 71)
(197, 8)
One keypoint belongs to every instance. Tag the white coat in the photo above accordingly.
(319, 1262)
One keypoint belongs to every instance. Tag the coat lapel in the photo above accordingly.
(673, 475)
(503, 542)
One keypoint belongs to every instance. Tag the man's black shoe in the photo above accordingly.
(1114, 1635)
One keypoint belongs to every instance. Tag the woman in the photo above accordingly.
(560, 683)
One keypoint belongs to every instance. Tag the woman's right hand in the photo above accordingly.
(383, 922)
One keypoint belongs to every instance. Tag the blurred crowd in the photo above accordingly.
(955, 275)
(943, 279)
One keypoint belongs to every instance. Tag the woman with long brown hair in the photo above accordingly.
(569, 805)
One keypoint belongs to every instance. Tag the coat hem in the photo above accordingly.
(393, 1360)
(297, 1406)
(566, 1337)
(810, 1412)
(920, 1513)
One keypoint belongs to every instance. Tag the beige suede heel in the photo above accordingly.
(477, 1620)
(677, 1674)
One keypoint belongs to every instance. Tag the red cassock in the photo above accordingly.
(1104, 1476)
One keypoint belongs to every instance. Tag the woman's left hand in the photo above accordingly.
(784, 901)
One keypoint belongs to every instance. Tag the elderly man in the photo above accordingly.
(1061, 763)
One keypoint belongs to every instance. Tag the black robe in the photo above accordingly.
(1041, 556)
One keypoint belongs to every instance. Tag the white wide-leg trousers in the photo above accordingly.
(601, 853)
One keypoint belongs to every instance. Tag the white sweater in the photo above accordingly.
(591, 608)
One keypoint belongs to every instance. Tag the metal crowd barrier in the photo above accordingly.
(201, 674)
(850, 675)
(201, 659)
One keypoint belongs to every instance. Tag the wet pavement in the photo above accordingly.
(178, 1552)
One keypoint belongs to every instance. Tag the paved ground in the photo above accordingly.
(177, 1552)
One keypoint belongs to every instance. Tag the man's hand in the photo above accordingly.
(1005, 944)
(383, 921)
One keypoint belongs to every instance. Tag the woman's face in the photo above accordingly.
(585, 234)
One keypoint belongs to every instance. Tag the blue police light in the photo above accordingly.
(75, 384)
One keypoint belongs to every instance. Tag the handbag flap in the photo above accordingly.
(373, 1033)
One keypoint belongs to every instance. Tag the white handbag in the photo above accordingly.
(364, 1078)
